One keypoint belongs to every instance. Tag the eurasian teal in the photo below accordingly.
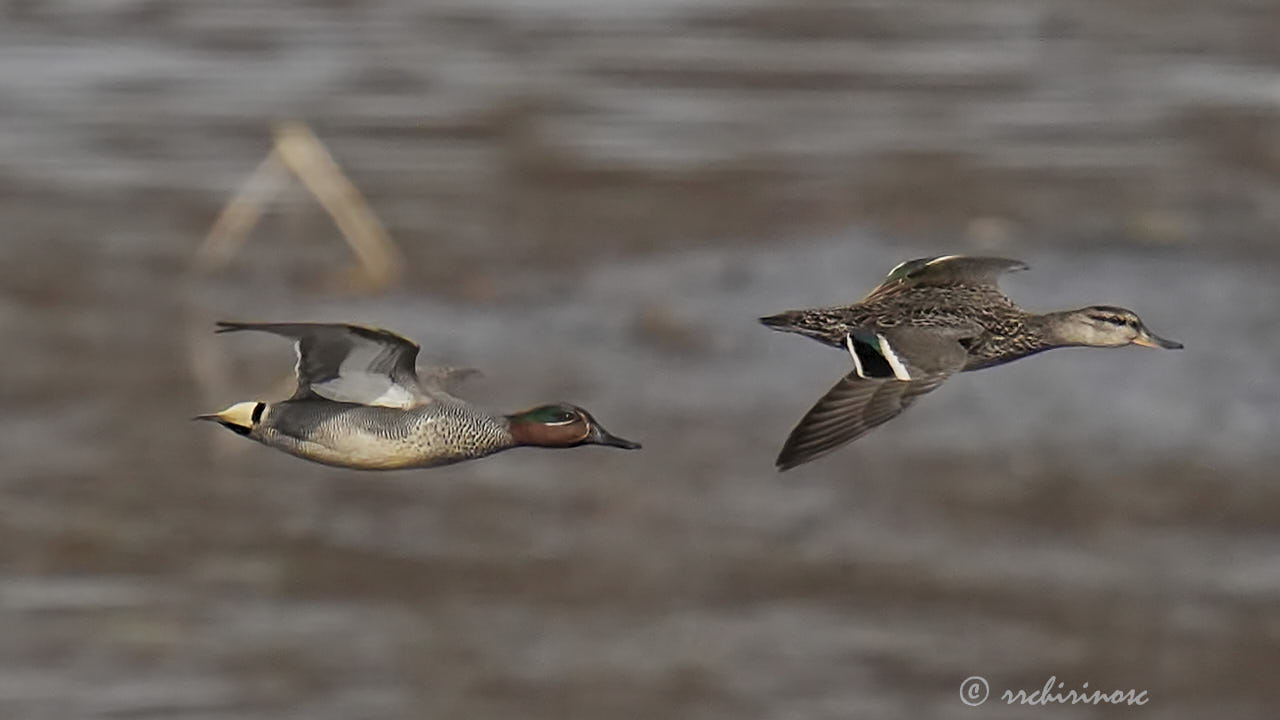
(362, 403)
(929, 319)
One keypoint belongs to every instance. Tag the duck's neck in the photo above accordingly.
(520, 433)
(1050, 329)
(1034, 334)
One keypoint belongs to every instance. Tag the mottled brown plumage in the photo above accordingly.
(929, 319)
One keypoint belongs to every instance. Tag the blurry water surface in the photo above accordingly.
(595, 201)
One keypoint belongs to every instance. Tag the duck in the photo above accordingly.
(361, 402)
(929, 319)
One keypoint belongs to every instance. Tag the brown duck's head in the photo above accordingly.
(1106, 326)
(562, 426)
(240, 418)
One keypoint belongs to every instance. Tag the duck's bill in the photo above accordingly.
(1149, 339)
(600, 436)
(224, 422)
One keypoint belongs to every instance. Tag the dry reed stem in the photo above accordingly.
(304, 154)
(231, 230)
(299, 152)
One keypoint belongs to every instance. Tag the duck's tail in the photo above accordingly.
(802, 322)
(783, 322)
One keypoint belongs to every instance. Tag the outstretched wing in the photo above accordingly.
(350, 363)
(947, 270)
(891, 369)
(848, 410)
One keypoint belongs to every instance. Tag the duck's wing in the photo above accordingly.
(350, 363)
(848, 410)
(947, 270)
(891, 369)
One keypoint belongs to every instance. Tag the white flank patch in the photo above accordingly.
(899, 369)
(857, 364)
(942, 258)
(297, 350)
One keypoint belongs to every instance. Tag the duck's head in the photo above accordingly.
(240, 418)
(1106, 326)
(561, 426)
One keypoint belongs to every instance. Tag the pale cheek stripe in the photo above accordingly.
(857, 364)
(899, 370)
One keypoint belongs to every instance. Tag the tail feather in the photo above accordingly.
(231, 326)
(784, 322)
(803, 322)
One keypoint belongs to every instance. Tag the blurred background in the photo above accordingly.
(592, 201)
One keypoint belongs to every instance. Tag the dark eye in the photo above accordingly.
(563, 416)
(1111, 319)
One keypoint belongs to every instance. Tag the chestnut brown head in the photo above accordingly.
(561, 426)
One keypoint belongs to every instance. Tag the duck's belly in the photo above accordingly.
(370, 453)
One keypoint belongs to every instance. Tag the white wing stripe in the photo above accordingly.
(899, 369)
(857, 363)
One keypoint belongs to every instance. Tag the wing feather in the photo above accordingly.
(946, 270)
(853, 406)
(351, 363)
(924, 359)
